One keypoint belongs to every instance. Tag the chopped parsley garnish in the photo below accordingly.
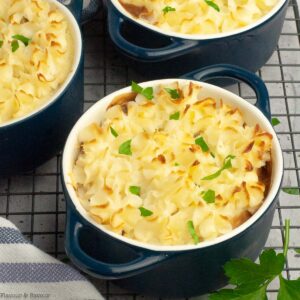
(200, 142)
(275, 121)
(226, 165)
(252, 279)
(167, 9)
(212, 155)
(212, 4)
(192, 232)
(135, 190)
(1, 43)
(176, 164)
(25, 40)
(209, 196)
(125, 148)
(292, 191)
(145, 212)
(173, 93)
(113, 132)
(175, 116)
(146, 92)
(14, 45)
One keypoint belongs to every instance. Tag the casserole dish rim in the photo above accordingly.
(78, 47)
(72, 147)
(199, 37)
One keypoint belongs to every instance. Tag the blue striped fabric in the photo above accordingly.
(37, 272)
(26, 269)
(11, 236)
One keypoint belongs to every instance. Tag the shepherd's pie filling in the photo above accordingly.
(36, 55)
(169, 166)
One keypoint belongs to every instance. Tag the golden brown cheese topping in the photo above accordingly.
(169, 166)
(36, 55)
(199, 16)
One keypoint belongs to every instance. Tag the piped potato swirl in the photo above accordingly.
(170, 166)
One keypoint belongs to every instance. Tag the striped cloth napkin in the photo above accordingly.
(28, 273)
(90, 8)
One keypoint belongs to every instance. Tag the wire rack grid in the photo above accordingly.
(35, 202)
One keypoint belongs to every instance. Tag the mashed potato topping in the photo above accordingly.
(199, 16)
(169, 166)
(36, 55)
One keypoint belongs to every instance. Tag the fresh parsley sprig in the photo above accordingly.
(226, 165)
(275, 121)
(191, 229)
(15, 43)
(135, 190)
(291, 191)
(113, 132)
(201, 142)
(146, 92)
(125, 148)
(173, 93)
(212, 4)
(209, 196)
(167, 9)
(252, 279)
(145, 212)
(175, 116)
(25, 40)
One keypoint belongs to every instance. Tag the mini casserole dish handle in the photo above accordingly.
(144, 259)
(235, 72)
(75, 6)
(177, 47)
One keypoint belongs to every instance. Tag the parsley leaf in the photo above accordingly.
(292, 191)
(243, 272)
(252, 279)
(125, 148)
(289, 289)
(175, 116)
(167, 9)
(145, 212)
(297, 251)
(212, 155)
(146, 92)
(192, 232)
(226, 165)
(14, 45)
(113, 132)
(176, 164)
(240, 294)
(135, 190)
(209, 196)
(25, 40)
(1, 43)
(275, 121)
(200, 142)
(173, 93)
(212, 4)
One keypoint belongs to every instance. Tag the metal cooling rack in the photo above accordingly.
(35, 202)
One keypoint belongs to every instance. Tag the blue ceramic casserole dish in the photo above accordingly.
(170, 271)
(163, 54)
(28, 142)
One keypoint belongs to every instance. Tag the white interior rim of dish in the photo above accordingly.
(77, 41)
(170, 33)
(96, 112)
